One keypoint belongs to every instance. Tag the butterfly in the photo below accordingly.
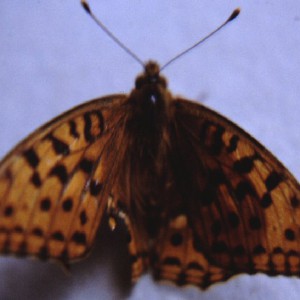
(201, 199)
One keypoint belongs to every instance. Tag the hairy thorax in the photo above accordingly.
(143, 178)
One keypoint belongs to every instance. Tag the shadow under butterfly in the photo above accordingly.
(200, 198)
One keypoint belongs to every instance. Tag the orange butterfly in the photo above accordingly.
(201, 199)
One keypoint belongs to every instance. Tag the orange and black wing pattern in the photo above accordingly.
(239, 207)
(55, 184)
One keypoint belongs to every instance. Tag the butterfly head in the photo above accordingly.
(151, 76)
(151, 84)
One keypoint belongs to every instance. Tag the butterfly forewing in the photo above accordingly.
(54, 185)
(241, 204)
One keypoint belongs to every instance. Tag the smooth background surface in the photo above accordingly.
(53, 57)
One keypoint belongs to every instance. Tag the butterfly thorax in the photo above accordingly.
(143, 172)
(149, 112)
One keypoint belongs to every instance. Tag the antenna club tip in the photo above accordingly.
(234, 14)
(85, 6)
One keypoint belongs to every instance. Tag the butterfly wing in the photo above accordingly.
(239, 210)
(54, 185)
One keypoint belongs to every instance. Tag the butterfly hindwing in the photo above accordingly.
(54, 185)
(179, 257)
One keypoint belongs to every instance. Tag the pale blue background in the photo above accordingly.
(53, 57)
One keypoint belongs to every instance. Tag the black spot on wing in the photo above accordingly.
(37, 232)
(176, 239)
(290, 234)
(295, 202)
(86, 165)
(95, 187)
(83, 218)
(73, 129)
(244, 165)
(243, 189)
(60, 172)
(31, 157)
(233, 143)
(172, 261)
(79, 238)
(36, 180)
(58, 236)
(91, 133)
(217, 143)
(211, 137)
(273, 180)
(266, 200)
(59, 146)
(67, 205)
(45, 204)
(8, 211)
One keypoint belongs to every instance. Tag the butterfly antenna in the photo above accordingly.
(110, 34)
(233, 15)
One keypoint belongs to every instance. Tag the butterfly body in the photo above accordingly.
(201, 199)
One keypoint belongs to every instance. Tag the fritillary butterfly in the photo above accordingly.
(201, 199)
